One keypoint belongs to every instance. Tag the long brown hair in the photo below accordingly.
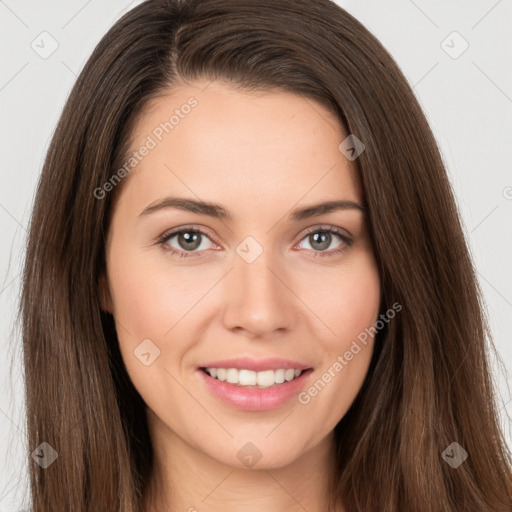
(429, 383)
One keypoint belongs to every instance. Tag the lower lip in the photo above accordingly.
(255, 399)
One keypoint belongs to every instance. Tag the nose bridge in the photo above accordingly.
(257, 300)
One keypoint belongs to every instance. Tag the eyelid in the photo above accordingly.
(329, 228)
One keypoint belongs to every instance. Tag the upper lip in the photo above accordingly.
(256, 365)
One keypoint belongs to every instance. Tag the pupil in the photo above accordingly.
(326, 240)
(189, 240)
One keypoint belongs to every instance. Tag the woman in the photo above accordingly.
(246, 282)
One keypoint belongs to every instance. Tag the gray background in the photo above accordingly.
(467, 97)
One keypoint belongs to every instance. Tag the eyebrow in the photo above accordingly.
(217, 211)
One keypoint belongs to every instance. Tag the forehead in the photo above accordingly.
(248, 147)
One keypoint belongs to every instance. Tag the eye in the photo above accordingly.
(321, 238)
(187, 240)
(184, 242)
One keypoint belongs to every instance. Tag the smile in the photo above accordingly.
(249, 390)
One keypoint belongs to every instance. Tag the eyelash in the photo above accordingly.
(347, 242)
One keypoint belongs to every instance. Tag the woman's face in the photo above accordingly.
(264, 286)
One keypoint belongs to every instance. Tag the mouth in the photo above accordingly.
(250, 390)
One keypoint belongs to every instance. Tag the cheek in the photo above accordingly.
(152, 301)
(148, 303)
(347, 301)
(350, 309)
(137, 303)
(148, 299)
(359, 303)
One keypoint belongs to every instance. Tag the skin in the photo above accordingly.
(260, 155)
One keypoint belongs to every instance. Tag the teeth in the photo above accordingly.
(247, 378)
(263, 379)
(232, 376)
(279, 376)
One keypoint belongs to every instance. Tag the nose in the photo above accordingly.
(258, 298)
